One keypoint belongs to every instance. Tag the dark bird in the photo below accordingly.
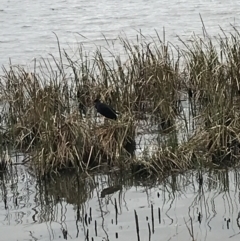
(105, 110)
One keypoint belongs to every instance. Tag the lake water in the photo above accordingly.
(171, 209)
(27, 26)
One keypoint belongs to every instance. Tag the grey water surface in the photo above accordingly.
(26, 27)
(107, 207)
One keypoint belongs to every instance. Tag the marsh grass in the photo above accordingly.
(48, 113)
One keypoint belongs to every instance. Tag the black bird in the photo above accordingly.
(105, 110)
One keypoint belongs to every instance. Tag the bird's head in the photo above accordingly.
(96, 101)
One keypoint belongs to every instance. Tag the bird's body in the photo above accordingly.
(105, 110)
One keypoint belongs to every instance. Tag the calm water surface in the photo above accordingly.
(166, 209)
(27, 26)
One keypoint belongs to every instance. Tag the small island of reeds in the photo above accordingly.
(179, 108)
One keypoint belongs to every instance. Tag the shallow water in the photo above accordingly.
(27, 26)
(165, 209)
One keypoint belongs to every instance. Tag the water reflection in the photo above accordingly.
(109, 207)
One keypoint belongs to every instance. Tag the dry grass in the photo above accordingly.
(48, 114)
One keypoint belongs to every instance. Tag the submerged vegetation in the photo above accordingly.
(179, 108)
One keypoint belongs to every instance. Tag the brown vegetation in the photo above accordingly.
(49, 114)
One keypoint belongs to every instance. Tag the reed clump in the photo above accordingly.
(42, 119)
(184, 100)
(213, 85)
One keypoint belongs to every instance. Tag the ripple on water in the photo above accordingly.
(92, 18)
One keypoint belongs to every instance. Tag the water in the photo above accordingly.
(27, 27)
(165, 208)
